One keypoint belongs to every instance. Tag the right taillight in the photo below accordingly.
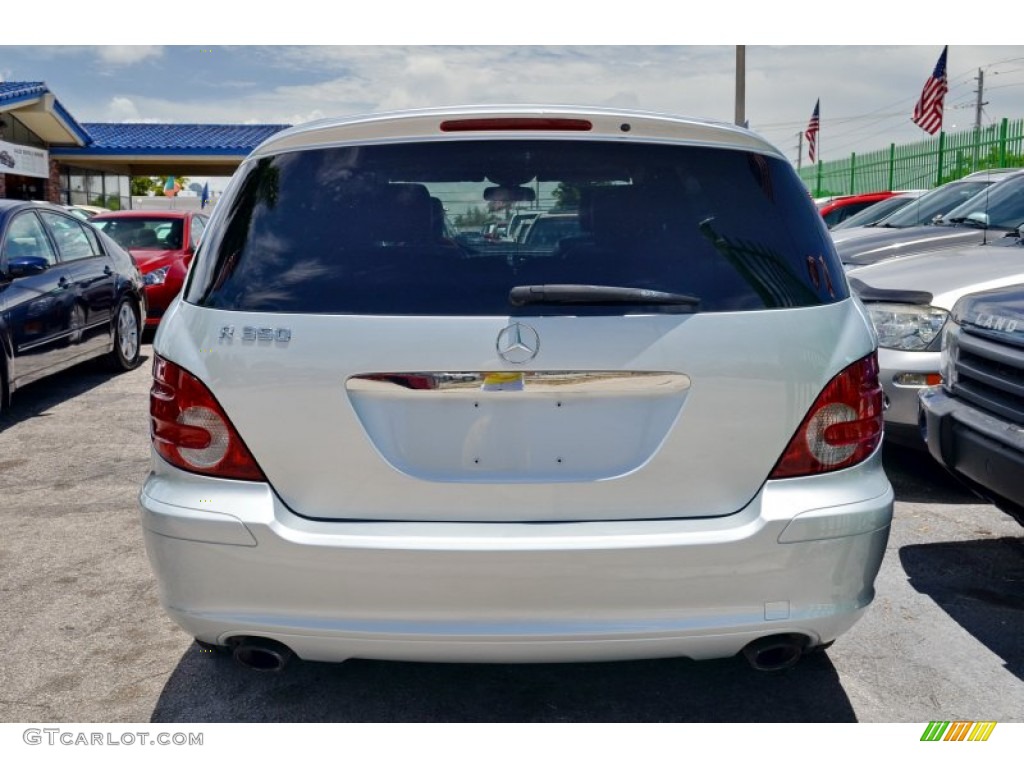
(191, 431)
(842, 428)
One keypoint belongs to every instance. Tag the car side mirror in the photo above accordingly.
(23, 266)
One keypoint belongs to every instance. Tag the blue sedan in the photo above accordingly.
(68, 293)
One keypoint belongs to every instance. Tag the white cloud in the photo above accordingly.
(386, 78)
(122, 55)
(304, 117)
(121, 109)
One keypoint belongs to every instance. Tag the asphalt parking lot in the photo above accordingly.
(84, 638)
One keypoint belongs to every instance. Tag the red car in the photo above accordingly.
(839, 208)
(163, 243)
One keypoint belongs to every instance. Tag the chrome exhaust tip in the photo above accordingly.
(261, 654)
(775, 652)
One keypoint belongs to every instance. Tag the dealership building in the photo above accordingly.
(45, 154)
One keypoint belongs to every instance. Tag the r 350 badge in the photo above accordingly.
(254, 333)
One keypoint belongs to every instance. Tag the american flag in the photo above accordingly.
(928, 112)
(812, 132)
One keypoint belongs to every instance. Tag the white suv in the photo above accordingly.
(657, 436)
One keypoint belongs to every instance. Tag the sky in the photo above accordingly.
(867, 91)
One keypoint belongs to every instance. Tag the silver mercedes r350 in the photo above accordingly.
(387, 425)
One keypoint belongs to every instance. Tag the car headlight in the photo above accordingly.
(907, 326)
(156, 277)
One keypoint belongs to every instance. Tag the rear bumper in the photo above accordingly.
(984, 452)
(802, 557)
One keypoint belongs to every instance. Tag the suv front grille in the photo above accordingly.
(991, 376)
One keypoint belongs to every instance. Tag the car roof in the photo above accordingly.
(427, 124)
(841, 202)
(9, 204)
(988, 173)
(10, 207)
(142, 215)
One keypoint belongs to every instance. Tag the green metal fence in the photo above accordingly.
(921, 165)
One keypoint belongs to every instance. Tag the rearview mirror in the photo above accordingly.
(23, 266)
(509, 195)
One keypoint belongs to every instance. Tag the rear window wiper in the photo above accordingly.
(522, 295)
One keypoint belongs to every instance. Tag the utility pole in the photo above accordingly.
(799, 149)
(977, 117)
(741, 85)
(980, 103)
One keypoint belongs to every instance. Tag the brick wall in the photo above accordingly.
(53, 183)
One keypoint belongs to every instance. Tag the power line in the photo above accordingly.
(889, 119)
(886, 129)
(1004, 61)
(1007, 85)
(831, 120)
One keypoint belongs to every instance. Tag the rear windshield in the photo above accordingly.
(424, 228)
(135, 232)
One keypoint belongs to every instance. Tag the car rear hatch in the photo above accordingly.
(654, 364)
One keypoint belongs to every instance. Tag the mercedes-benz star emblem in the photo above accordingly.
(518, 344)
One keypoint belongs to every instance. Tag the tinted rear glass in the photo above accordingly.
(423, 228)
(135, 232)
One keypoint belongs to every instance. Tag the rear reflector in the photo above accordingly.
(191, 431)
(517, 124)
(843, 426)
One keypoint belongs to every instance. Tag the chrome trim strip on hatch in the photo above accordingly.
(569, 382)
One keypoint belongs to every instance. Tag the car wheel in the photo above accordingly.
(77, 324)
(127, 337)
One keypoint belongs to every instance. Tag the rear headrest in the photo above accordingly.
(630, 212)
(173, 238)
(436, 218)
(143, 238)
(407, 214)
(597, 203)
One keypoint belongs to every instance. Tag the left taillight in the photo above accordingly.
(843, 426)
(190, 430)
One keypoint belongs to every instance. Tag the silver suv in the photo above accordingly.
(656, 435)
